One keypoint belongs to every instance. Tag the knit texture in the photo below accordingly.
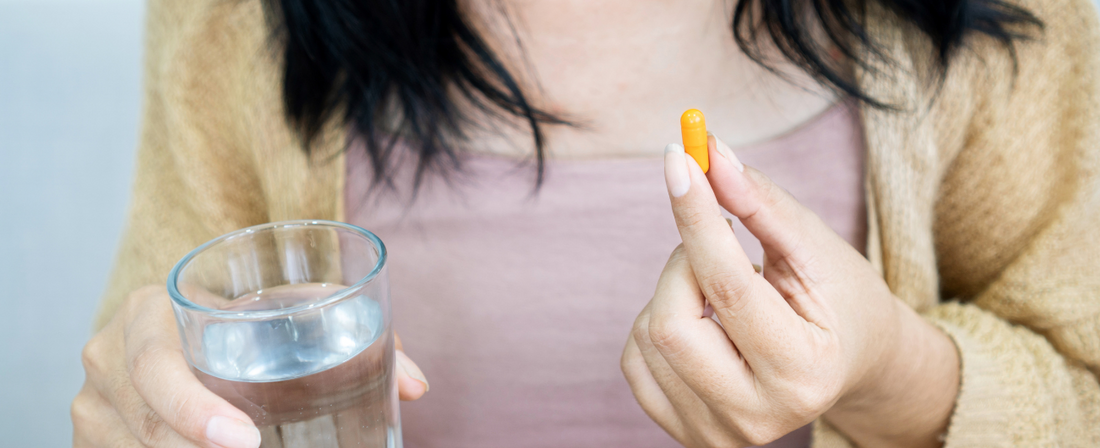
(983, 195)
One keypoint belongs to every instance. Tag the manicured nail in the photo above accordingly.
(726, 152)
(232, 433)
(676, 170)
(411, 369)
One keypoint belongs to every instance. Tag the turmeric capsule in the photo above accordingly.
(693, 129)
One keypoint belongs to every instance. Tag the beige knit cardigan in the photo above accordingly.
(984, 204)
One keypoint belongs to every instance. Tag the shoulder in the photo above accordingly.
(1018, 130)
(214, 103)
(213, 75)
(202, 50)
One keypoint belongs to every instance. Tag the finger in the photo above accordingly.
(139, 420)
(411, 384)
(649, 395)
(695, 347)
(783, 225)
(105, 365)
(97, 424)
(706, 234)
(160, 375)
(681, 398)
(754, 315)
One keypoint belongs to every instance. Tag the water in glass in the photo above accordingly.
(313, 379)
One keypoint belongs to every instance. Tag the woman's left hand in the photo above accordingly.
(819, 333)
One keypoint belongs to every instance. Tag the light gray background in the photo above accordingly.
(70, 81)
(69, 104)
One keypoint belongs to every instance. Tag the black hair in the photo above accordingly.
(401, 68)
(789, 25)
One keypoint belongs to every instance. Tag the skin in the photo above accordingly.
(623, 70)
(620, 69)
(818, 334)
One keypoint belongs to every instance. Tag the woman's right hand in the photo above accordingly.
(139, 392)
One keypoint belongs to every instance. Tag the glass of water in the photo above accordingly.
(290, 322)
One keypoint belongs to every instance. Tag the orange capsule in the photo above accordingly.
(693, 129)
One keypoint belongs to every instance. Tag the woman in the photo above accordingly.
(953, 142)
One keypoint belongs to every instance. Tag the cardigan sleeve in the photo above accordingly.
(194, 178)
(1018, 243)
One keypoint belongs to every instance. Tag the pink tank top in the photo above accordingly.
(517, 305)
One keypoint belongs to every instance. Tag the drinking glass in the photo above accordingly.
(290, 322)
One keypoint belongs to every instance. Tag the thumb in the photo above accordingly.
(166, 386)
(770, 213)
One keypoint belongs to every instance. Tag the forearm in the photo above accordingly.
(908, 401)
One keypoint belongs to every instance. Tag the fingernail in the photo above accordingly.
(411, 369)
(676, 170)
(232, 433)
(726, 152)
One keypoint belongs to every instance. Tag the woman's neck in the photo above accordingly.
(624, 70)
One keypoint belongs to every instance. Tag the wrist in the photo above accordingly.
(907, 396)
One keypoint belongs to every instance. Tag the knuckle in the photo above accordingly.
(804, 403)
(693, 219)
(136, 298)
(624, 366)
(665, 335)
(775, 196)
(640, 331)
(144, 292)
(814, 401)
(760, 437)
(150, 428)
(81, 412)
(132, 299)
(751, 431)
(627, 361)
(809, 402)
(632, 367)
(187, 413)
(93, 355)
(145, 362)
(726, 292)
(88, 356)
(758, 433)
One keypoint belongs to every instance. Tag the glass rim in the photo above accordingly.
(179, 299)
